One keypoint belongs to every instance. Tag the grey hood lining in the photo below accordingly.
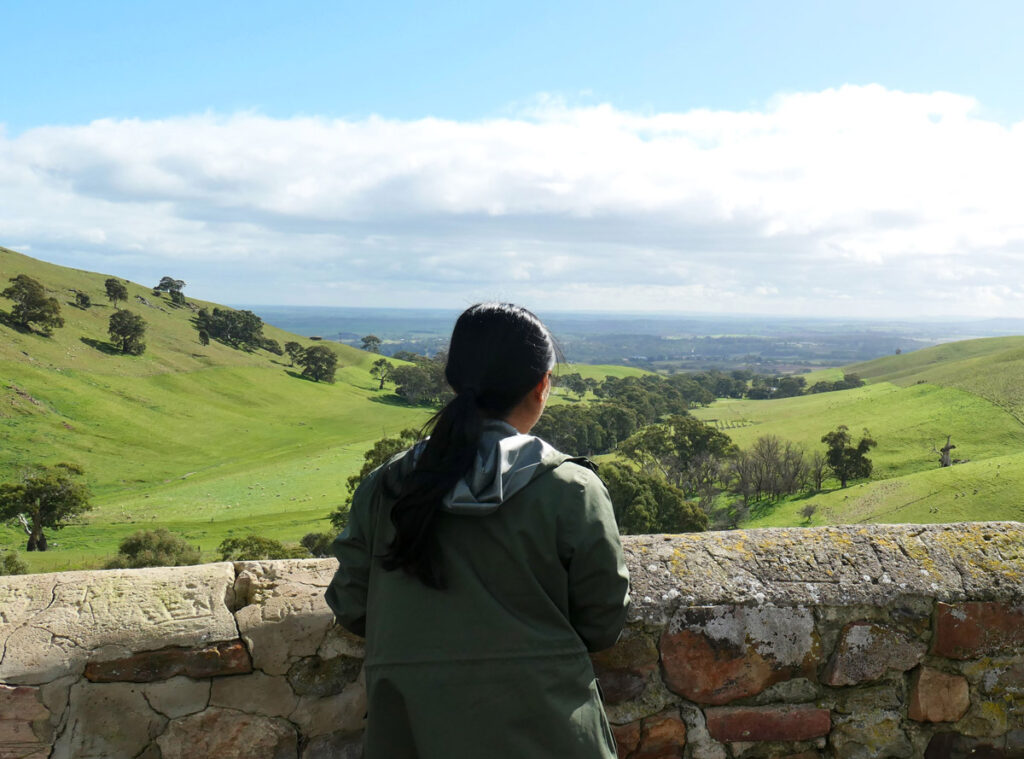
(506, 462)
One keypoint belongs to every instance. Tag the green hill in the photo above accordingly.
(991, 368)
(207, 441)
(971, 390)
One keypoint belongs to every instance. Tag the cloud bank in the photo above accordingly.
(853, 201)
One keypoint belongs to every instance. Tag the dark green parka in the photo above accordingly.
(495, 665)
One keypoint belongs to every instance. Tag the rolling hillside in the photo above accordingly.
(971, 390)
(208, 441)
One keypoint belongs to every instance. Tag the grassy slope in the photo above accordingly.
(209, 441)
(991, 368)
(970, 390)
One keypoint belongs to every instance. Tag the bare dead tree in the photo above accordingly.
(945, 457)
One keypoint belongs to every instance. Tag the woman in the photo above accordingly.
(481, 565)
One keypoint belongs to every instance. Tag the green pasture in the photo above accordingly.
(208, 441)
(907, 422)
(979, 490)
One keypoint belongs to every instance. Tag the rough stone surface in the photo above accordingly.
(661, 736)
(938, 697)
(334, 746)
(227, 658)
(52, 623)
(228, 734)
(716, 654)
(178, 696)
(21, 703)
(107, 720)
(269, 695)
(627, 737)
(284, 616)
(866, 651)
(873, 735)
(767, 723)
(843, 565)
(345, 711)
(745, 615)
(624, 669)
(314, 676)
(977, 628)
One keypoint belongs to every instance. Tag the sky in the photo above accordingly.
(793, 158)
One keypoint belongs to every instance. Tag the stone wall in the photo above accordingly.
(881, 641)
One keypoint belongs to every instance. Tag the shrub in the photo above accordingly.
(12, 564)
(154, 548)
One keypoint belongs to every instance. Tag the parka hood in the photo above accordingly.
(506, 462)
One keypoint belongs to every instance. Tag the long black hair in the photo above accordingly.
(498, 353)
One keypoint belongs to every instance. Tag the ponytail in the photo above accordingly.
(498, 353)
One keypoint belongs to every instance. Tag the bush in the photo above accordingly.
(318, 544)
(154, 548)
(257, 548)
(12, 564)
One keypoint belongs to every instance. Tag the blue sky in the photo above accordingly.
(72, 62)
(783, 157)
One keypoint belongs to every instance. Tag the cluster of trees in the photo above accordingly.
(420, 381)
(239, 329)
(32, 306)
(319, 363)
(173, 287)
(765, 387)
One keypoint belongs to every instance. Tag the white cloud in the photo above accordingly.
(905, 202)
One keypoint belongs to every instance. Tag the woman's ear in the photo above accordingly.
(544, 387)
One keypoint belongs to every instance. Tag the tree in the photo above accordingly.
(47, 497)
(382, 370)
(647, 504)
(808, 511)
(574, 383)
(271, 345)
(423, 381)
(294, 351)
(31, 306)
(127, 330)
(154, 548)
(848, 461)
(667, 448)
(239, 328)
(169, 285)
(82, 300)
(12, 564)
(319, 363)
(816, 468)
(371, 343)
(946, 453)
(256, 548)
(204, 337)
(381, 451)
(115, 290)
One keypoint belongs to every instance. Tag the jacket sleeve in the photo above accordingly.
(598, 578)
(346, 595)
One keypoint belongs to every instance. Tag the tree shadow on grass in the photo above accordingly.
(396, 400)
(101, 346)
(302, 377)
(7, 321)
